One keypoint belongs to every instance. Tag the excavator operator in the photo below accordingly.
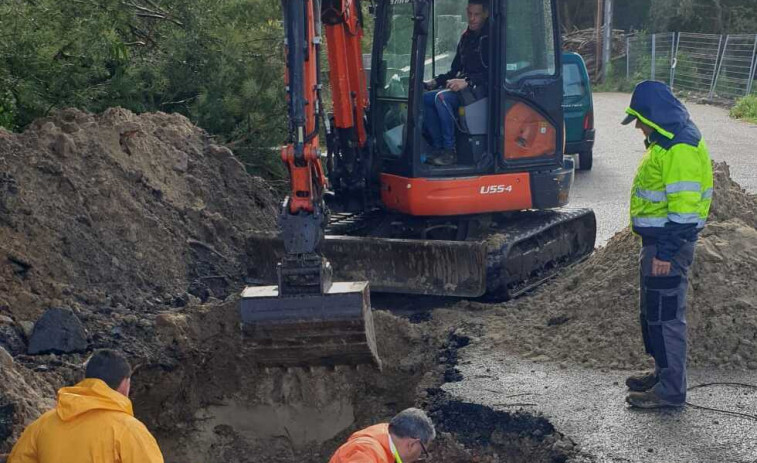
(469, 70)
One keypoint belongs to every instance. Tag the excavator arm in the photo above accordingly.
(306, 319)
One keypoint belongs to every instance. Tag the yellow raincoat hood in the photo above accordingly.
(88, 395)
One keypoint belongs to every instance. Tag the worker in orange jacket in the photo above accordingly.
(405, 439)
(92, 422)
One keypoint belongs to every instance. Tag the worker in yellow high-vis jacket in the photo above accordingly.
(92, 421)
(670, 200)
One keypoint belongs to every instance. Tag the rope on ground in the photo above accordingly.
(718, 410)
(751, 386)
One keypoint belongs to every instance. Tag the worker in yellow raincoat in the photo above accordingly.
(93, 421)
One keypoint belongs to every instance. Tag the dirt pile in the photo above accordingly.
(121, 210)
(590, 315)
(116, 216)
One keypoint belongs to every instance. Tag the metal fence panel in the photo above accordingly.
(638, 57)
(735, 68)
(751, 88)
(697, 61)
(723, 67)
(662, 56)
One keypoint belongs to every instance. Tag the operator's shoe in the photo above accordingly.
(444, 157)
(642, 382)
(649, 399)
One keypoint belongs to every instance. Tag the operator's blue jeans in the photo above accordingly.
(439, 111)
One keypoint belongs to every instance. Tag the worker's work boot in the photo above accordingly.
(445, 157)
(642, 382)
(649, 399)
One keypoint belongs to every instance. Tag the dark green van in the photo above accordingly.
(578, 109)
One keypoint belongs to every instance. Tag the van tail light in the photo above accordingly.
(589, 120)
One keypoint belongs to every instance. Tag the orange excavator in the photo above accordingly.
(492, 225)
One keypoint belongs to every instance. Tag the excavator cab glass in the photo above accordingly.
(511, 122)
(391, 85)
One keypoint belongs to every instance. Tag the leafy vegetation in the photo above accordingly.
(218, 62)
(746, 108)
(703, 16)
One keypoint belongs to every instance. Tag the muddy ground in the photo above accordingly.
(138, 225)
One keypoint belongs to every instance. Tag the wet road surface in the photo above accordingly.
(588, 405)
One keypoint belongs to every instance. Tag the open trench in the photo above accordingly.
(207, 400)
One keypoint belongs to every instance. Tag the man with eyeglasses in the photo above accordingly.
(404, 439)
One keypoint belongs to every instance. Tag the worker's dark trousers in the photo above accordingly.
(663, 320)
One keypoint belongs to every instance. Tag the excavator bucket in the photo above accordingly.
(330, 328)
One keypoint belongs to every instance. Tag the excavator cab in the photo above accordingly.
(490, 225)
(513, 124)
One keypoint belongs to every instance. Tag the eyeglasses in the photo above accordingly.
(426, 455)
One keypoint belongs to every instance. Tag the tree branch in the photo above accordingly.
(160, 16)
(145, 12)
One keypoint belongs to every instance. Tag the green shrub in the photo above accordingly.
(7, 110)
(746, 108)
(220, 63)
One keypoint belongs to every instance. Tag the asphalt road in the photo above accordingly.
(617, 150)
(588, 405)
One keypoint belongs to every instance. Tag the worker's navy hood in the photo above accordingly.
(655, 105)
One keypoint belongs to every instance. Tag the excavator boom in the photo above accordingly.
(306, 319)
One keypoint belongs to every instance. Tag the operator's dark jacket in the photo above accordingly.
(471, 59)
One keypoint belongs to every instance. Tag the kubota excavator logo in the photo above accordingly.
(495, 189)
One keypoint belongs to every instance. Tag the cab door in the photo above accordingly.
(399, 46)
(530, 119)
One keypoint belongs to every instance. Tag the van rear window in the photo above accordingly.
(572, 85)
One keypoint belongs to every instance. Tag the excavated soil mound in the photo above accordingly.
(119, 209)
(116, 216)
(590, 315)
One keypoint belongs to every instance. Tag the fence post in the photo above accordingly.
(628, 58)
(654, 53)
(672, 58)
(718, 64)
(752, 68)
